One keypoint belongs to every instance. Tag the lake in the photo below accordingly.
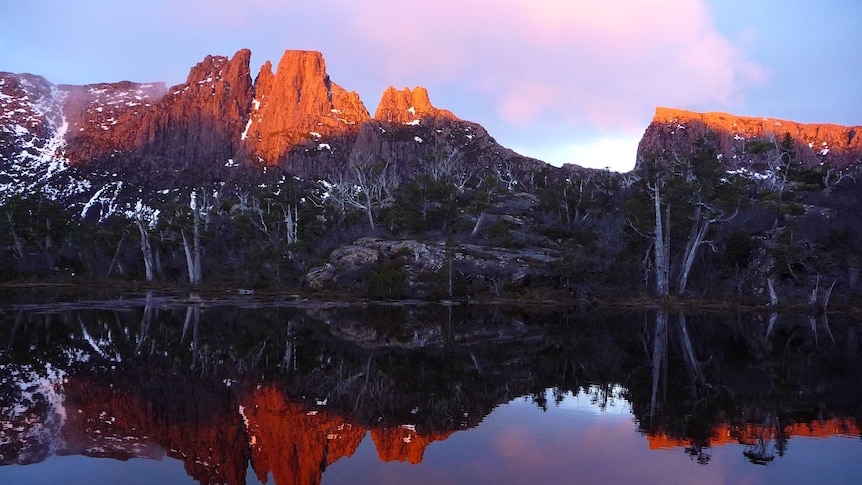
(157, 389)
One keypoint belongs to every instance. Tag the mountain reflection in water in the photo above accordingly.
(297, 395)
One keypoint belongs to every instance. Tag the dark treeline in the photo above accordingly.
(681, 223)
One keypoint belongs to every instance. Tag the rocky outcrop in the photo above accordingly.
(486, 263)
(104, 119)
(815, 145)
(138, 421)
(408, 106)
(299, 106)
(403, 443)
(222, 125)
(197, 124)
(31, 132)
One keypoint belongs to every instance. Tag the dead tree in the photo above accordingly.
(193, 254)
(146, 249)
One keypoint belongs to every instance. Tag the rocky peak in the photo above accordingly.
(408, 106)
(299, 105)
(199, 121)
(815, 144)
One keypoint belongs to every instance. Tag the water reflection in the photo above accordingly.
(287, 392)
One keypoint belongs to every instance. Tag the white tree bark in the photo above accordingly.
(146, 249)
(196, 213)
(478, 225)
(773, 296)
(190, 263)
(662, 252)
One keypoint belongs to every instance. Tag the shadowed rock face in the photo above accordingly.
(818, 144)
(197, 123)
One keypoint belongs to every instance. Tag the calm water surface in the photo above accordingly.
(157, 390)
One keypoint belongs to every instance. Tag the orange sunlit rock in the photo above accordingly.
(834, 146)
(299, 104)
(198, 120)
(407, 106)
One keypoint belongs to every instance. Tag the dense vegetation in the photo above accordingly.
(681, 223)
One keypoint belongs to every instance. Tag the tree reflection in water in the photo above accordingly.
(291, 390)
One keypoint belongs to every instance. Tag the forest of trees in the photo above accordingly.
(680, 224)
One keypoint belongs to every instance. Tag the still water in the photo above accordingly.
(164, 390)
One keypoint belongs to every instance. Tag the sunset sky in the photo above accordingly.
(563, 81)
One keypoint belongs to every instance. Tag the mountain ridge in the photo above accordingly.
(298, 119)
(815, 144)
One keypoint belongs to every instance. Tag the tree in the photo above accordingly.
(145, 218)
(193, 253)
(712, 195)
(689, 187)
(368, 185)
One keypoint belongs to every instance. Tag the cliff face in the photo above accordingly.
(299, 105)
(104, 119)
(408, 106)
(197, 123)
(815, 145)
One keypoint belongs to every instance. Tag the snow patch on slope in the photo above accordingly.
(35, 151)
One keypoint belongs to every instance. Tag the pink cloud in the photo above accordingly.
(583, 61)
(526, 67)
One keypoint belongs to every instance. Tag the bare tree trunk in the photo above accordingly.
(661, 248)
(691, 358)
(197, 243)
(190, 262)
(16, 239)
(291, 219)
(773, 296)
(478, 225)
(146, 249)
(370, 214)
(698, 229)
(146, 321)
(773, 318)
(193, 251)
(828, 295)
(116, 253)
(658, 356)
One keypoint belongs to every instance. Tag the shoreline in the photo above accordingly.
(220, 295)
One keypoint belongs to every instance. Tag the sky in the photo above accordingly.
(564, 81)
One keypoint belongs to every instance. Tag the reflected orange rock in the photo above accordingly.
(217, 434)
(292, 442)
(196, 428)
(404, 443)
(750, 434)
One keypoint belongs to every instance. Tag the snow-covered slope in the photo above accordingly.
(32, 133)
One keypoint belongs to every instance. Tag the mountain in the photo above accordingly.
(131, 140)
(814, 145)
(285, 179)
